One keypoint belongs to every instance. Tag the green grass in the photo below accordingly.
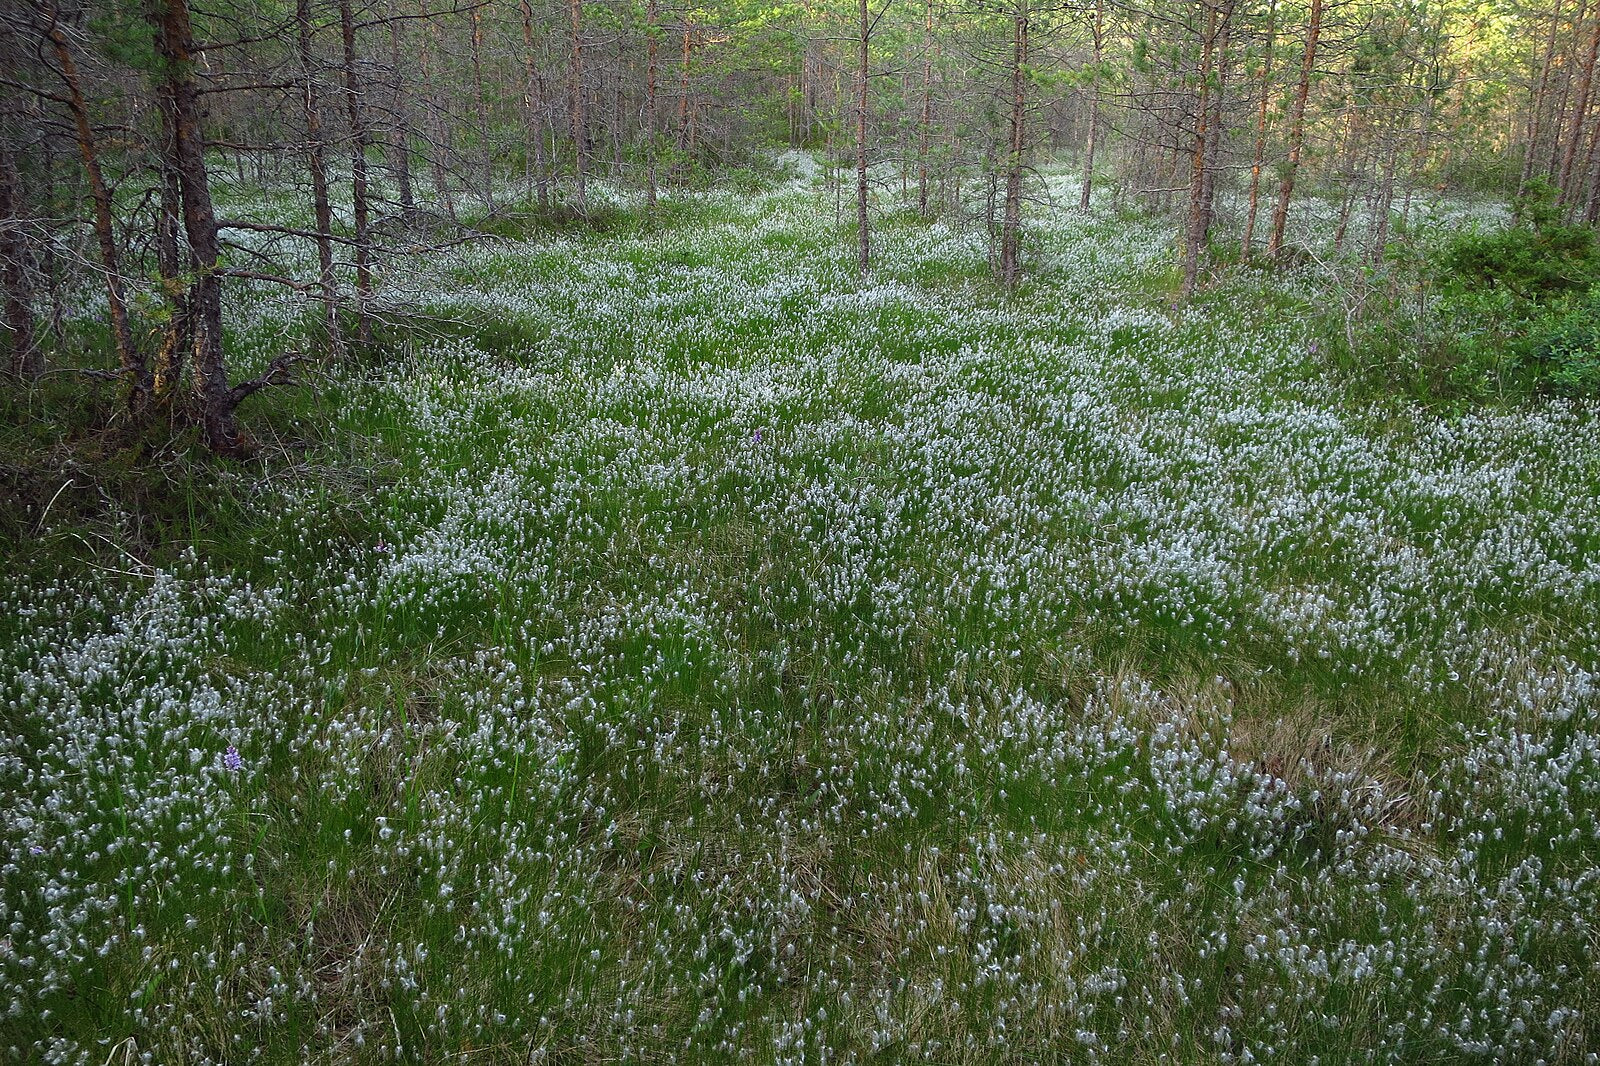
(670, 646)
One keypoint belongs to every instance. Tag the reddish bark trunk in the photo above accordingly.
(482, 106)
(1197, 220)
(129, 358)
(1259, 151)
(1297, 125)
(1536, 105)
(1580, 113)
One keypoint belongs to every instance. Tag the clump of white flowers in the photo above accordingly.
(752, 663)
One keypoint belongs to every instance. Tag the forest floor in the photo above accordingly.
(693, 652)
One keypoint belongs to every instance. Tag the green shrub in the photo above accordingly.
(1533, 262)
(1562, 347)
(1488, 314)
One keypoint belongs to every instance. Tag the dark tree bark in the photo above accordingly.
(317, 166)
(177, 338)
(927, 112)
(618, 113)
(1385, 199)
(175, 44)
(1214, 121)
(580, 120)
(1349, 167)
(863, 235)
(652, 16)
(1591, 170)
(1206, 140)
(1011, 227)
(49, 261)
(400, 131)
(1567, 56)
(438, 126)
(14, 273)
(1591, 207)
(686, 108)
(533, 102)
(360, 141)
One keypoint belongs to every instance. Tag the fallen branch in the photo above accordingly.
(255, 275)
(277, 374)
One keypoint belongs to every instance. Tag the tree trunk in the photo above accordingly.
(1197, 223)
(1349, 169)
(1259, 151)
(1591, 170)
(686, 108)
(617, 112)
(131, 361)
(400, 136)
(1580, 113)
(1094, 105)
(485, 143)
(1591, 207)
(317, 167)
(927, 112)
(1567, 57)
(49, 264)
(1297, 126)
(533, 101)
(863, 236)
(1208, 186)
(652, 16)
(174, 40)
(1532, 129)
(1380, 214)
(1425, 120)
(1011, 228)
(903, 150)
(178, 335)
(14, 269)
(438, 128)
(580, 125)
(360, 140)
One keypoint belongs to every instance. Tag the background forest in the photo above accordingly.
(381, 128)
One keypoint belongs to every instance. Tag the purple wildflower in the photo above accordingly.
(231, 760)
(756, 437)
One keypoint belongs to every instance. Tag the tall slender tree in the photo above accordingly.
(1297, 129)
